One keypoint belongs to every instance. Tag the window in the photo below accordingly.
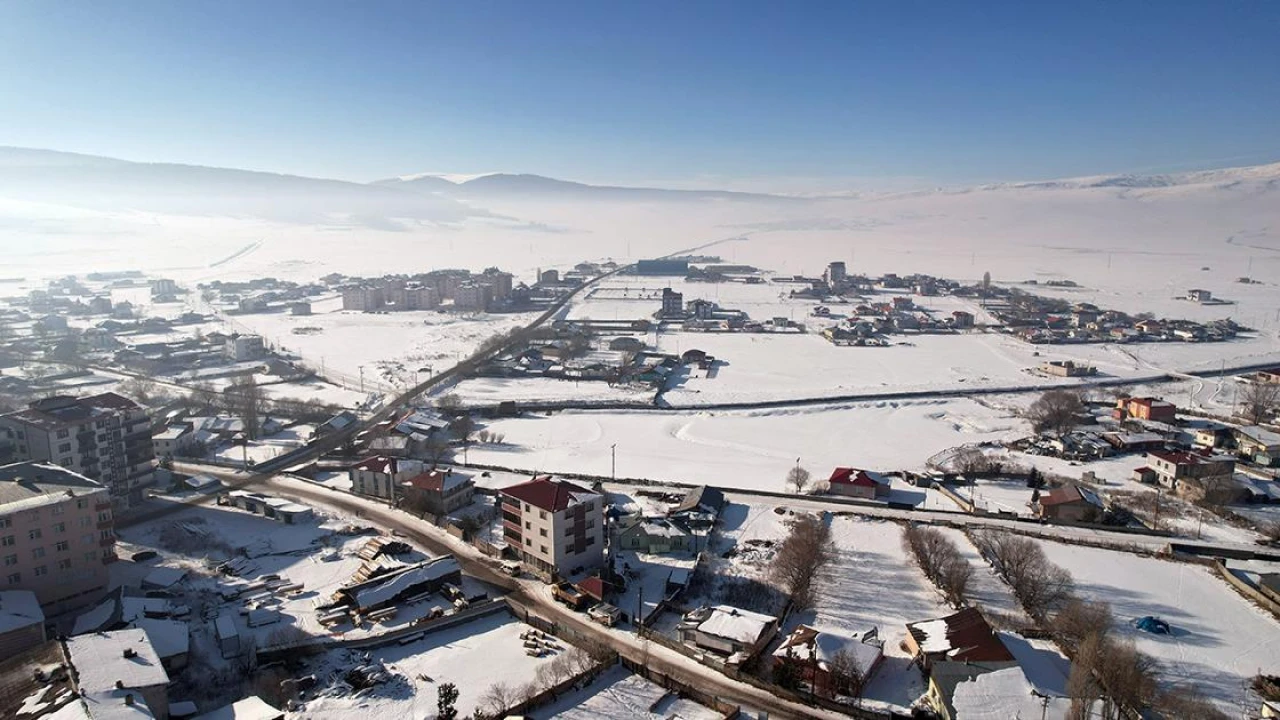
(60, 527)
(542, 514)
(5, 522)
(104, 516)
(65, 462)
(6, 541)
(528, 542)
(37, 553)
(64, 448)
(64, 564)
(33, 515)
(591, 524)
(542, 532)
(543, 549)
(528, 507)
(64, 433)
(15, 578)
(528, 525)
(34, 534)
(62, 546)
(105, 535)
(10, 559)
(82, 503)
(59, 509)
(42, 570)
(591, 541)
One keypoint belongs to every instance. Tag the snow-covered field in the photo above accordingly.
(1219, 639)
(619, 695)
(473, 656)
(491, 391)
(747, 449)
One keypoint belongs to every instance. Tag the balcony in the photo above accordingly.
(107, 541)
(102, 505)
(510, 527)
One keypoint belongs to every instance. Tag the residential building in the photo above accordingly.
(438, 492)
(104, 437)
(499, 283)
(239, 348)
(472, 296)
(21, 622)
(99, 305)
(961, 320)
(557, 526)
(654, 535)
(1270, 376)
(661, 267)
(812, 651)
(954, 649)
(1145, 408)
(56, 534)
(549, 277)
(252, 305)
(1067, 368)
(301, 307)
(1200, 296)
(730, 631)
(1192, 475)
(835, 274)
(855, 483)
(377, 476)
(1258, 444)
(119, 674)
(162, 287)
(1070, 503)
(363, 299)
(700, 507)
(672, 304)
(173, 440)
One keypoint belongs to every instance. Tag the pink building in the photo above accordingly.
(56, 535)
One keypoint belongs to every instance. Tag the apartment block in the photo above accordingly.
(363, 299)
(57, 534)
(104, 437)
(558, 526)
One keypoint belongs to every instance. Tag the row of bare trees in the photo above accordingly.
(1041, 586)
(500, 698)
(940, 560)
(803, 556)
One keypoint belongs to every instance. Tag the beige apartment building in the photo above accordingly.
(104, 437)
(56, 535)
(558, 526)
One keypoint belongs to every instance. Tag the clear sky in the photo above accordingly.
(731, 93)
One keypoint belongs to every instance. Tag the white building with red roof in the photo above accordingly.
(557, 526)
(377, 476)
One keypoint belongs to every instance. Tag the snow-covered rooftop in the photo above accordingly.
(736, 624)
(126, 657)
(250, 708)
(18, 609)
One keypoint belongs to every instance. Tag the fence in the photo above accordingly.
(726, 710)
(1247, 590)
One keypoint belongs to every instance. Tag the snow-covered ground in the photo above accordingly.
(619, 695)
(491, 391)
(747, 449)
(474, 656)
(1219, 639)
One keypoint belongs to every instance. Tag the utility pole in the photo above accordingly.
(1156, 522)
(613, 462)
(361, 378)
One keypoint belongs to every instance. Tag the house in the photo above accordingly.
(556, 526)
(852, 482)
(1270, 376)
(1213, 436)
(173, 440)
(1067, 368)
(961, 319)
(733, 632)
(1145, 408)
(699, 508)
(1258, 444)
(286, 511)
(379, 475)
(654, 535)
(300, 308)
(1200, 296)
(21, 622)
(693, 356)
(812, 652)
(672, 304)
(170, 638)
(626, 343)
(1070, 503)
(1134, 441)
(953, 649)
(239, 348)
(118, 671)
(250, 708)
(1193, 475)
(439, 492)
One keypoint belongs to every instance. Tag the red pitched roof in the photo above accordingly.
(593, 586)
(378, 464)
(435, 480)
(854, 476)
(969, 638)
(545, 493)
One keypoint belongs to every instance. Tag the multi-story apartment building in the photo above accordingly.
(558, 526)
(363, 299)
(104, 437)
(56, 534)
(472, 296)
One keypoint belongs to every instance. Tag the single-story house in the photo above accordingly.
(410, 581)
(1071, 503)
(852, 482)
(736, 633)
(812, 652)
(1259, 444)
(953, 649)
(1134, 441)
(700, 507)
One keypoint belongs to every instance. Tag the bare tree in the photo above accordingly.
(1259, 401)
(940, 560)
(1055, 411)
(797, 479)
(1078, 619)
(803, 556)
(497, 700)
(847, 677)
(1128, 675)
(245, 401)
(1041, 586)
(971, 461)
(1186, 702)
(436, 449)
(449, 402)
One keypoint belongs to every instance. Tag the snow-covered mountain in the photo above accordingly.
(515, 186)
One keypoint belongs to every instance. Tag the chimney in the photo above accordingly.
(119, 684)
(128, 699)
(130, 652)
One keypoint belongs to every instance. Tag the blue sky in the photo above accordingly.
(728, 93)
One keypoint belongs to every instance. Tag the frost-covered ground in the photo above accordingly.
(491, 391)
(1219, 639)
(473, 656)
(619, 695)
(747, 449)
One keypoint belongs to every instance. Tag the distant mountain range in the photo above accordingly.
(112, 185)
